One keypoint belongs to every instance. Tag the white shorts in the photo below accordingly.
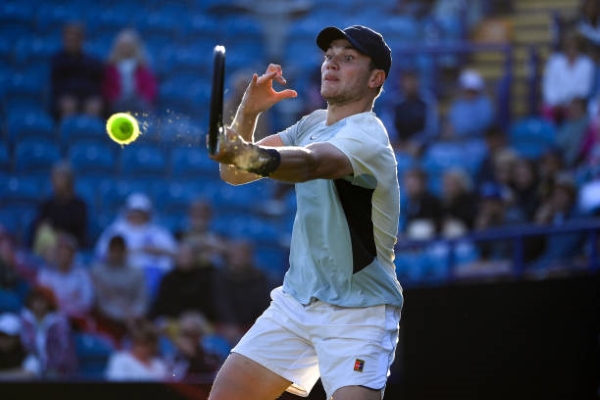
(343, 346)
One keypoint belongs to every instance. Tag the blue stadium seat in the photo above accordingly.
(31, 125)
(93, 351)
(175, 197)
(87, 187)
(51, 17)
(143, 160)
(532, 136)
(273, 260)
(35, 156)
(405, 161)
(15, 19)
(192, 162)
(250, 227)
(93, 159)
(112, 193)
(19, 190)
(81, 127)
(110, 20)
(441, 156)
(5, 157)
(9, 302)
(25, 87)
(10, 221)
(35, 50)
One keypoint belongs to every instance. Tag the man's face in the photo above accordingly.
(345, 73)
(73, 39)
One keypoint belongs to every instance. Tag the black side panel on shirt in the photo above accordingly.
(356, 202)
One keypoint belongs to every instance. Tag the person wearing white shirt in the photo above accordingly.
(567, 74)
(140, 362)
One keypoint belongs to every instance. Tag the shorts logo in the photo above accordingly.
(359, 365)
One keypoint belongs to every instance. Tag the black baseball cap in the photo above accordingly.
(364, 39)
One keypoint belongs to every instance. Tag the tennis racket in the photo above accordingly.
(215, 127)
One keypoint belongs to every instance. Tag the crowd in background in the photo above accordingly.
(170, 304)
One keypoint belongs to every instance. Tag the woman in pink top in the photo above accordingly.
(129, 83)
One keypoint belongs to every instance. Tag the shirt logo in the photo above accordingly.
(313, 137)
(359, 365)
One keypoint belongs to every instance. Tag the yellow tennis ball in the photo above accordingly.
(122, 128)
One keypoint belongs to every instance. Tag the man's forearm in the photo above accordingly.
(244, 123)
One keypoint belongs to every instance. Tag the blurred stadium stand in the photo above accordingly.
(169, 160)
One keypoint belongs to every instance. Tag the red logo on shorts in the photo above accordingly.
(359, 365)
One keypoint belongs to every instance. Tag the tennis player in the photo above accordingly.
(337, 314)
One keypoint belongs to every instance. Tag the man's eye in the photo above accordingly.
(349, 58)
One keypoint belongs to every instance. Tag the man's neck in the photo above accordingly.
(336, 113)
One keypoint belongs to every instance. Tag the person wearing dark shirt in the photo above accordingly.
(459, 202)
(187, 287)
(76, 77)
(63, 210)
(242, 291)
(15, 361)
(415, 115)
(422, 211)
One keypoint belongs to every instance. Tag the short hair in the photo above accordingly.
(117, 241)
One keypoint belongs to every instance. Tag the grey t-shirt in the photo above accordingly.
(342, 247)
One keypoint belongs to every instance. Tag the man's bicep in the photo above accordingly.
(332, 163)
(271, 141)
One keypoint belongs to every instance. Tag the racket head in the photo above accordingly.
(215, 126)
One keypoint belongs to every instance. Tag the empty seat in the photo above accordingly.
(93, 351)
(142, 160)
(31, 125)
(81, 127)
(531, 137)
(96, 159)
(35, 156)
(192, 162)
(19, 191)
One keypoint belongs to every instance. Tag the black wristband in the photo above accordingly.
(265, 162)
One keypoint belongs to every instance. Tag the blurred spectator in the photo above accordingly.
(571, 135)
(496, 142)
(188, 287)
(129, 82)
(472, 112)
(47, 334)
(240, 83)
(140, 362)
(590, 147)
(550, 165)
(568, 73)
(16, 273)
(15, 362)
(495, 255)
(242, 291)
(504, 165)
(525, 188)
(492, 213)
(193, 363)
(121, 295)
(559, 209)
(415, 115)
(63, 211)
(458, 202)
(76, 77)
(588, 21)
(149, 244)
(198, 232)
(69, 280)
(422, 213)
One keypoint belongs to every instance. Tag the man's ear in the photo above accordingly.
(377, 78)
